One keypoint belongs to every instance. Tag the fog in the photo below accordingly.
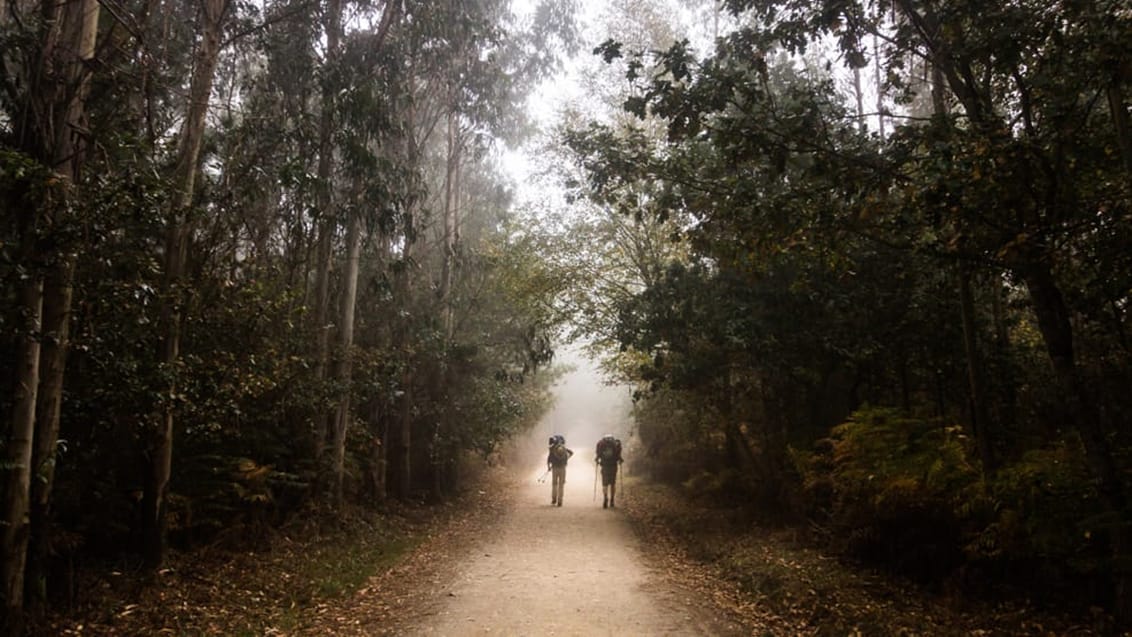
(585, 408)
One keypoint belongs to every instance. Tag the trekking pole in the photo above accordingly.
(621, 478)
(542, 478)
(595, 482)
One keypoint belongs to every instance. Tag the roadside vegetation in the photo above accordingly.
(864, 266)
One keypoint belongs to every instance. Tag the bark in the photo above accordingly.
(880, 93)
(859, 96)
(213, 13)
(345, 344)
(322, 326)
(81, 29)
(54, 133)
(17, 459)
(450, 218)
(58, 292)
(329, 223)
(401, 336)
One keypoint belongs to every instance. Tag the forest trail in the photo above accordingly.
(529, 568)
(571, 570)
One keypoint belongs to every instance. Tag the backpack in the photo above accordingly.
(609, 450)
(559, 454)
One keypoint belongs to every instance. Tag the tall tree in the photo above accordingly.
(50, 94)
(212, 17)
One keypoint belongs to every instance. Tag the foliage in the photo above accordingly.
(249, 393)
(1047, 524)
(928, 258)
(892, 489)
(905, 493)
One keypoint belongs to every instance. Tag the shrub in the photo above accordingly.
(890, 487)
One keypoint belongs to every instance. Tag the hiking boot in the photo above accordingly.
(553, 502)
(560, 503)
(605, 503)
(611, 503)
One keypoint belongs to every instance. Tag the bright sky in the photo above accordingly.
(567, 89)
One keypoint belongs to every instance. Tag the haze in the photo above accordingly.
(585, 408)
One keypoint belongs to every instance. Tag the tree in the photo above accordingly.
(48, 86)
(776, 179)
(213, 16)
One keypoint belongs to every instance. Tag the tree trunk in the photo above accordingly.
(1007, 411)
(61, 87)
(81, 28)
(1119, 112)
(345, 344)
(322, 327)
(880, 93)
(58, 292)
(1053, 322)
(329, 222)
(450, 224)
(17, 458)
(213, 13)
(378, 458)
(980, 426)
(859, 96)
(405, 438)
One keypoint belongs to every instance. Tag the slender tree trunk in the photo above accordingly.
(980, 427)
(53, 133)
(328, 223)
(1120, 119)
(880, 91)
(213, 14)
(322, 326)
(402, 332)
(58, 292)
(378, 454)
(1009, 404)
(859, 95)
(345, 344)
(449, 239)
(17, 458)
(81, 28)
(405, 439)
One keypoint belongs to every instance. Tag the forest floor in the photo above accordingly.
(501, 560)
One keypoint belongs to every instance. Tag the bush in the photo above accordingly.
(890, 487)
(904, 494)
(1046, 529)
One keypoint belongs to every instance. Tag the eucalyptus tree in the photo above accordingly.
(212, 18)
(45, 73)
(469, 65)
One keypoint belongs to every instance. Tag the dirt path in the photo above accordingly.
(523, 567)
(570, 570)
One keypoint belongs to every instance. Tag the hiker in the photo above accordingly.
(609, 458)
(556, 459)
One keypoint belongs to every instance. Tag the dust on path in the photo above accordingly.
(518, 566)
